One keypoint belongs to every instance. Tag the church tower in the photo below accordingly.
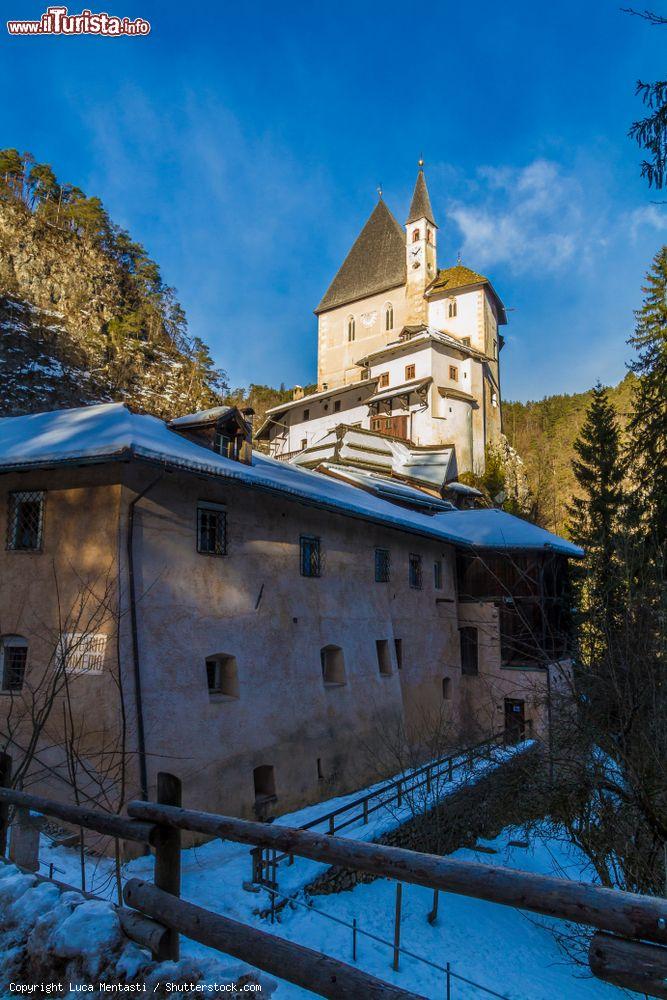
(420, 251)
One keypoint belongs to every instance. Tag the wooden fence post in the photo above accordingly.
(5, 781)
(168, 858)
(397, 924)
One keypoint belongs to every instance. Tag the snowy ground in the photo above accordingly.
(511, 953)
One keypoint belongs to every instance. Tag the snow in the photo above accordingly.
(509, 952)
(110, 431)
(50, 935)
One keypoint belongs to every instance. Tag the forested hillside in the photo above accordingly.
(544, 433)
(84, 313)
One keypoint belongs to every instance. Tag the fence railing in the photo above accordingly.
(629, 948)
(394, 792)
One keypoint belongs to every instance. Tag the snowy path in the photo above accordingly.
(498, 947)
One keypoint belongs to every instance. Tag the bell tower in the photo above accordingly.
(420, 251)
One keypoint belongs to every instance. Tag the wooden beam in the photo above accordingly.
(91, 819)
(167, 875)
(310, 969)
(632, 965)
(623, 913)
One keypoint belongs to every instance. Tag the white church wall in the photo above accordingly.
(395, 364)
(323, 417)
(468, 321)
(336, 354)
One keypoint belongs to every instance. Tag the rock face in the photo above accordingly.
(75, 328)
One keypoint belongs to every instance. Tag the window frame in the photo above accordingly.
(13, 522)
(452, 310)
(210, 507)
(316, 541)
(410, 372)
(383, 380)
(453, 373)
(12, 642)
(351, 330)
(382, 564)
(415, 575)
(388, 317)
(229, 691)
(466, 633)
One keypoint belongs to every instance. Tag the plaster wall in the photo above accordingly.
(336, 355)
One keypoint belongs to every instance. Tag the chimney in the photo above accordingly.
(298, 392)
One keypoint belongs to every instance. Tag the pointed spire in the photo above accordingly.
(420, 207)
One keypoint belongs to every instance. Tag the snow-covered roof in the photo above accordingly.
(405, 388)
(376, 452)
(389, 489)
(109, 432)
(202, 417)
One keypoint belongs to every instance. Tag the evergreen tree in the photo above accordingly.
(648, 422)
(594, 517)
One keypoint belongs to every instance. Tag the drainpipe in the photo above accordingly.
(141, 732)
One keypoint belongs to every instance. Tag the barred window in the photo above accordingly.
(382, 565)
(311, 557)
(212, 529)
(82, 652)
(25, 518)
(415, 571)
(14, 655)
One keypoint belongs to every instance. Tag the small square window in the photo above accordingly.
(25, 518)
(409, 372)
(465, 341)
(382, 565)
(222, 675)
(211, 530)
(311, 561)
(304, 443)
(384, 380)
(453, 373)
(437, 574)
(415, 571)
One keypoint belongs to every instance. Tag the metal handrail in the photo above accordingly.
(404, 785)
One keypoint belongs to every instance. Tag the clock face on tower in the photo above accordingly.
(417, 256)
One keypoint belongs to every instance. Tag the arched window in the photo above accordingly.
(389, 316)
(429, 236)
(350, 328)
(13, 657)
(494, 399)
(452, 308)
(415, 236)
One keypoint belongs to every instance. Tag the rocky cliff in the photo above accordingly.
(84, 314)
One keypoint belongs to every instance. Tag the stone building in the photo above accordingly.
(170, 599)
(405, 348)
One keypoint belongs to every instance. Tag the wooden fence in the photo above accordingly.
(629, 948)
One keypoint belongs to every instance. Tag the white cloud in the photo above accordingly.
(528, 217)
(648, 216)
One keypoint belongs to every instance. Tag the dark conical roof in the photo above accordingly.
(420, 207)
(375, 263)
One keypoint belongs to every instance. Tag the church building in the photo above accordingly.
(406, 349)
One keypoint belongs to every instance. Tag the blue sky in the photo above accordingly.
(243, 145)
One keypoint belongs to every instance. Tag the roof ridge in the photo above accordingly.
(374, 263)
